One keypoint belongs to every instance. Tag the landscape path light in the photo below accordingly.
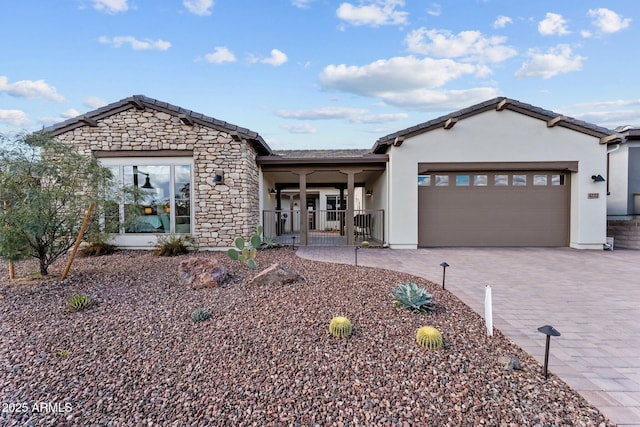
(549, 331)
(444, 266)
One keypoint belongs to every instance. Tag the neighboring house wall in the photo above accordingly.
(221, 212)
(618, 202)
(500, 136)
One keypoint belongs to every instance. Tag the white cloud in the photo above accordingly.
(553, 24)
(353, 115)
(608, 21)
(326, 113)
(391, 75)
(374, 13)
(440, 100)
(502, 21)
(70, 113)
(220, 55)
(135, 44)
(94, 102)
(111, 6)
(14, 118)
(381, 118)
(276, 59)
(301, 4)
(435, 10)
(586, 34)
(469, 45)
(30, 89)
(557, 60)
(303, 128)
(199, 7)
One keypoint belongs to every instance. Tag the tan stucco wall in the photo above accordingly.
(222, 212)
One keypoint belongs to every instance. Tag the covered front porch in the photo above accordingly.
(331, 198)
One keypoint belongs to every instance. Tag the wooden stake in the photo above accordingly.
(85, 223)
(12, 270)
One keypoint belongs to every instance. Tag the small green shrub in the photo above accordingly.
(247, 254)
(63, 353)
(172, 245)
(269, 243)
(98, 248)
(340, 327)
(429, 337)
(413, 297)
(200, 315)
(79, 302)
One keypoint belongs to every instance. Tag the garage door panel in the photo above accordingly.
(494, 215)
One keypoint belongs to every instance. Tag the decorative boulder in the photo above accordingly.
(201, 272)
(276, 274)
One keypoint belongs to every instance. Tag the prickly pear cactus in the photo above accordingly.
(247, 254)
(340, 327)
(429, 337)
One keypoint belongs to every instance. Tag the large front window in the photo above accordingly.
(156, 197)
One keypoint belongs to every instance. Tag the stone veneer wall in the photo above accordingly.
(625, 233)
(221, 212)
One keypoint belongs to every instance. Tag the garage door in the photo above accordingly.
(501, 208)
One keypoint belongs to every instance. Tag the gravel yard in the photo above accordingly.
(264, 357)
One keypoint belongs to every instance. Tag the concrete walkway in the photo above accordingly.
(591, 297)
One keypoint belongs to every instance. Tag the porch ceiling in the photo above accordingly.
(325, 178)
(327, 171)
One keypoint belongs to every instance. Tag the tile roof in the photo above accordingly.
(141, 101)
(304, 154)
(510, 104)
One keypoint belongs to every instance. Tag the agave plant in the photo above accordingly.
(413, 297)
(79, 302)
(199, 314)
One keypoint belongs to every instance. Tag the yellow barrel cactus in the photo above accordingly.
(429, 337)
(340, 327)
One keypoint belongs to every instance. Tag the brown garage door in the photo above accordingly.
(505, 208)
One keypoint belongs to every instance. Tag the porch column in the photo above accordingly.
(351, 178)
(279, 228)
(291, 213)
(342, 216)
(304, 213)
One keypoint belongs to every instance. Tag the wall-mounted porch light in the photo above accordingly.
(368, 193)
(272, 191)
(597, 178)
(218, 177)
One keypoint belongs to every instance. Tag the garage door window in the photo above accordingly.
(519, 180)
(540, 180)
(424, 180)
(442, 180)
(462, 180)
(501, 180)
(557, 179)
(480, 180)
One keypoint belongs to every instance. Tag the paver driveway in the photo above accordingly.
(591, 297)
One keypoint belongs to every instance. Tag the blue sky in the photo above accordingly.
(310, 74)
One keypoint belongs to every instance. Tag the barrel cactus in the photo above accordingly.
(429, 337)
(340, 327)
